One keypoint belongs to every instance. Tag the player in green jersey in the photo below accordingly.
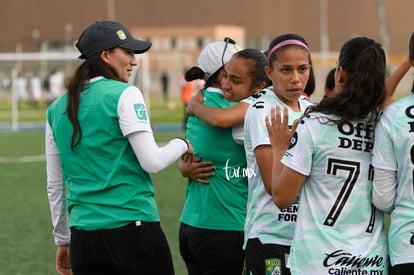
(211, 233)
(100, 151)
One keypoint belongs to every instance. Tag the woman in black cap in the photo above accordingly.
(100, 151)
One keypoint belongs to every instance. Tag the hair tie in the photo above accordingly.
(206, 76)
(285, 43)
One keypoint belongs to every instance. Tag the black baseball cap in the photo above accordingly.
(105, 35)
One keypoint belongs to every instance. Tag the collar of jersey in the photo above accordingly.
(214, 90)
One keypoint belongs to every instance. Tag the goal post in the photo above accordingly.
(17, 62)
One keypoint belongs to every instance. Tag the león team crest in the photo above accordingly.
(273, 266)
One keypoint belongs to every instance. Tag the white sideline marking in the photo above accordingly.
(23, 159)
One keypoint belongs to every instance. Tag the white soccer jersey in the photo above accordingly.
(394, 151)
(338, 230)
(264, 220)
(238, 130)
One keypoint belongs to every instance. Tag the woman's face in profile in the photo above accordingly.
(122, 60)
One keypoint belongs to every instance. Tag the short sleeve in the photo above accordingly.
(238, 133)
(132, 112)
(255, 124)
(383, 155)
(299, 155)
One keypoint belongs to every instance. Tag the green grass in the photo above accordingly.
(159, 113)
(25, 230)
(26, 242)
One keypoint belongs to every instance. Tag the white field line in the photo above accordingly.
(23, 159)
(36, 158)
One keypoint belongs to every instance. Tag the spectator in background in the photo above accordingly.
(187, 91)
(310, 86)
(55, 84)
(21, 88)
(164, 87)
(330, 84)
(35, 90)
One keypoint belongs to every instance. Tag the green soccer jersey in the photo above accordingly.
(221, 204)
(107, 188)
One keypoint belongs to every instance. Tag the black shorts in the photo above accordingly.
(403, 269)
(264, 259)
(206, 251)
(132, 249)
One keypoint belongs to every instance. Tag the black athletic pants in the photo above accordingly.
(211, 252)
(402, 269)
(132, 249)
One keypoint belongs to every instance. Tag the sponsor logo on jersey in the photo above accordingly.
(288, 214)
(358, 137)
(140, 111)
(409, 112)
(235, 172)
(340, 262)
(294, 140)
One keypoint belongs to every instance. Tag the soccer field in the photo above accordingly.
(26, 240)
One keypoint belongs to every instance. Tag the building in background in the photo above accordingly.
(33, 22)
(179, 29)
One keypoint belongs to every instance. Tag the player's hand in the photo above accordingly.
(278, 128)
(189, 155)
(193, 103)
(63, 260)
(196, 169)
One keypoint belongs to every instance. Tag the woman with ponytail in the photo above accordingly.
(327, 162)
(100, 152)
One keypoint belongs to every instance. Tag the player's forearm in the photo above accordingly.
(222, 117)
(384, 189)
(209, 115)
(151, 157)
(392, 81)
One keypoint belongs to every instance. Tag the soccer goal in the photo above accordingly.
(18, 69)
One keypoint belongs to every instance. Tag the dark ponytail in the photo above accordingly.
(93, 66)
(197, 73)
(363, 90)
